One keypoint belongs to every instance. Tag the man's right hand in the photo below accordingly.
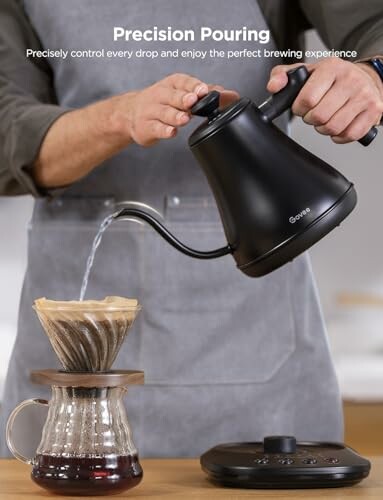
(156, 112)
(82, 139)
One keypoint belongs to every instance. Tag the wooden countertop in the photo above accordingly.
(183, 479)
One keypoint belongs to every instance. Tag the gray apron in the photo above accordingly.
(226, 357)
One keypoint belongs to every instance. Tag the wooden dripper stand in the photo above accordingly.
(86, 446)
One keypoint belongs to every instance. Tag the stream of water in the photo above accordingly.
(96, 243)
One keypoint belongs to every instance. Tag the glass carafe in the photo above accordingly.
(86, 446)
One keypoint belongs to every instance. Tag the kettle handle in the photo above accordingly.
(283, 100)
(136, 213)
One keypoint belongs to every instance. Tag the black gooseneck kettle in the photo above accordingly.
(275, 198)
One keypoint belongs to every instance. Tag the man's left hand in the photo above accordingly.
(341, 99)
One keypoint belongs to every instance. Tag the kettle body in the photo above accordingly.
(275, 198)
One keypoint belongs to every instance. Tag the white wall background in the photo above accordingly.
(348, 260)
(14, 217)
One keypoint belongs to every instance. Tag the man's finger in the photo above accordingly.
(357, 129)
(161, 130)
(316, 87)
(228, 97)
(332, 101)
(219, 88)
(170, 115)
(188, 83)
(278, 76)
(341, 119)
(177, 98)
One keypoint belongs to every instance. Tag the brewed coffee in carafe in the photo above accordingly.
(86, 446)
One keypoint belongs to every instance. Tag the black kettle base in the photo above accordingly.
(289, 249)
(308, 465)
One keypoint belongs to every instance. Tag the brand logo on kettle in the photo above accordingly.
(304, 212)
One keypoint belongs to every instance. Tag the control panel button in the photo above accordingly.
(261, 461)
(332, 460)
(309, 461)
(280, 444)
(286, 461)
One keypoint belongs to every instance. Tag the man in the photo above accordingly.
(226, 357)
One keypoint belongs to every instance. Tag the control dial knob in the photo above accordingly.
(279, 444)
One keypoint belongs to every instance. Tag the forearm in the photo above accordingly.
(81, 140)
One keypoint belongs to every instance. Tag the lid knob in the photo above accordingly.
(208, 106)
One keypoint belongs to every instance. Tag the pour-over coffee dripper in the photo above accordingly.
(87, 335)
(86, 446)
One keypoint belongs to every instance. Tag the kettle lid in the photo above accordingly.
(216, 119)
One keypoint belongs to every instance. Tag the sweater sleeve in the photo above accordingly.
(28, 105)
(348, 24)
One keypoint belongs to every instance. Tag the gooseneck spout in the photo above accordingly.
(136, 213)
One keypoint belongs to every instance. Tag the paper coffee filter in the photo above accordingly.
(112, 302)
(87, 335)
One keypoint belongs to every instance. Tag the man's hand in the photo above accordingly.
(157, 111)
(341, 99)
(82, 139)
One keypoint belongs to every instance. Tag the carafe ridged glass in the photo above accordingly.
(87, 435)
